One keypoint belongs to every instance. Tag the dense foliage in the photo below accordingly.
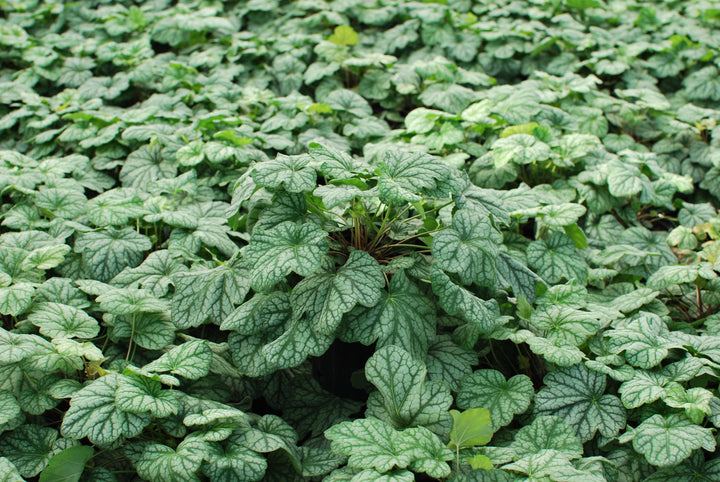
(355, 240)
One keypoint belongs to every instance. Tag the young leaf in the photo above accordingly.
(344, 35)
(695, 401)
(68, 465)
(470, 428)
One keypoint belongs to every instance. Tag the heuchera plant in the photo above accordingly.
(353, 240)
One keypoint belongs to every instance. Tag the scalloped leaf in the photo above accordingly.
(404, 317)
(565, 325)
(552, 465)
(190, 360)
(125, 301)
(643, 388)
(503, 398)
(276, 252)
(15, 299)
(31, 447)
(107, 252)
(469, 248)
(154, 274)
(57, 320)
(233, 462)
(335, 163)
(448, 362)
(94, 414)
(115, 207)
(369, 443)
(455, 299)
(577, 395)
(643, 340)
(405, 174)
(325, 297)
(9, 407)
(556, 259)
(8, 472)
(289, 173)
(403, 398)
(547, 433)
(141, 394)
(261, 312)
(667, 441)
(162, 463)
(208, 293)
(429, 453)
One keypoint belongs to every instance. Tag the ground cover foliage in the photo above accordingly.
(359, 240)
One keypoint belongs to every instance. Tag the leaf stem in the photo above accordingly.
(457, 460)
(130, 343)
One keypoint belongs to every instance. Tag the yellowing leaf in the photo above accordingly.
(344, 35)
(470, 428)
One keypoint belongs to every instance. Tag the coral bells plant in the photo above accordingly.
(359, 241)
